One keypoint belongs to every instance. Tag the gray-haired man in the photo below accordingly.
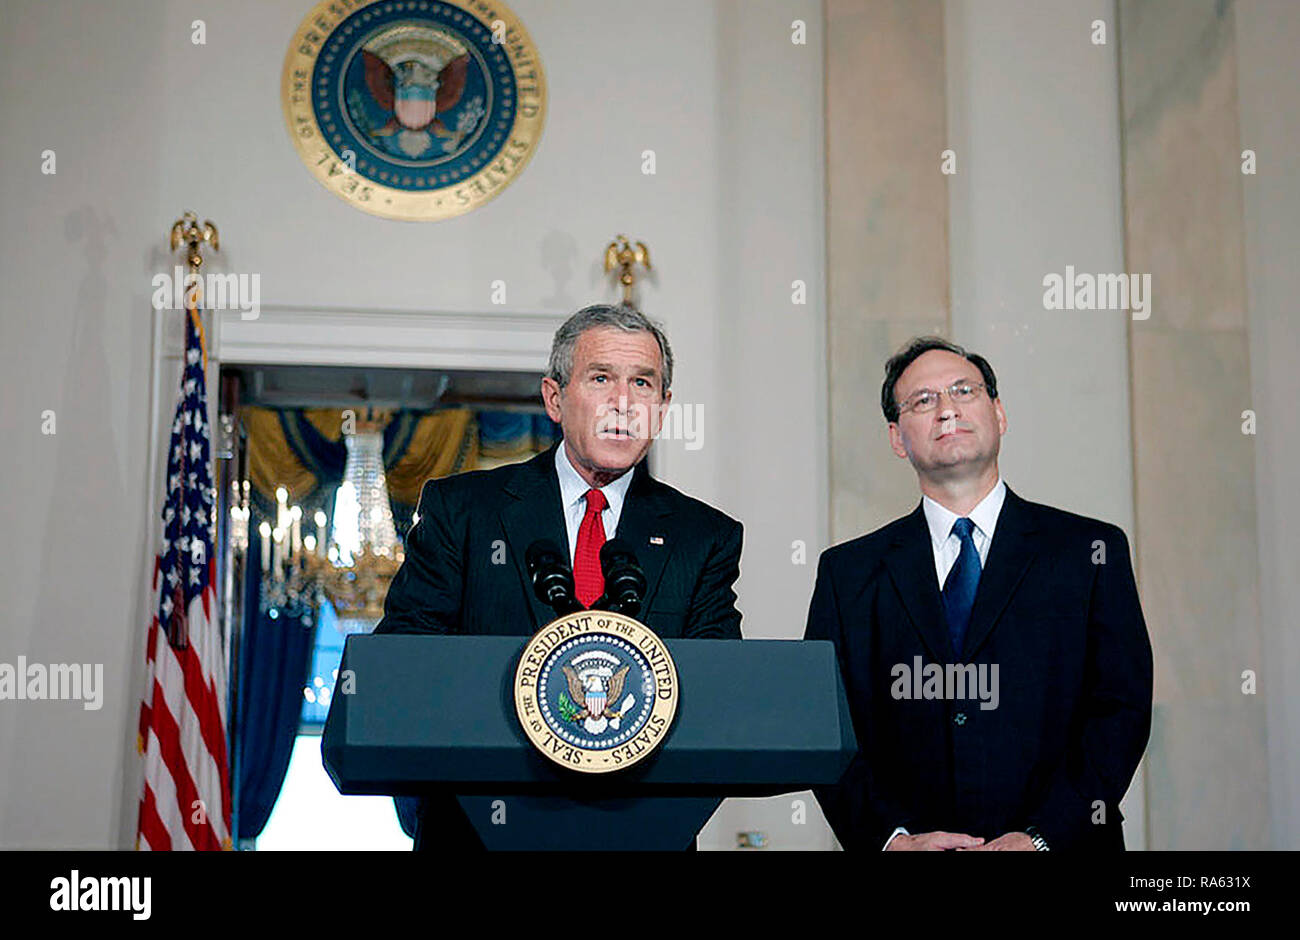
(606, 385)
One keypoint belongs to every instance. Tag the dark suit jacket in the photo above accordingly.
(465, 572)
(1074, 682)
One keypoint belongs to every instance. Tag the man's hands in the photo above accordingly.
(1011, 842)
(934, 842)
(958, 841)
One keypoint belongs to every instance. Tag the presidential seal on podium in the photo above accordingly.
(413, 109)
(596, 691)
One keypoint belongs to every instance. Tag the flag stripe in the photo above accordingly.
(151, 826)
(166, 803)
(203, 767)
(187, 794)
(202, 698)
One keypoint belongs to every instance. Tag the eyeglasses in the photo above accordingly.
(927, 399)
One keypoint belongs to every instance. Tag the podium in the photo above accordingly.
(431, 714)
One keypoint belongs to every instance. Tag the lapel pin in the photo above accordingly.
(656, 540)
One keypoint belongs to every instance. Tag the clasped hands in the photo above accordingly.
(960, 842)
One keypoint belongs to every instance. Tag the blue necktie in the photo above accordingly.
(959, 589)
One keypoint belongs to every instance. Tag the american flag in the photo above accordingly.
(186, 799)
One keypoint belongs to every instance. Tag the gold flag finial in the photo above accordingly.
(186, 231)
(620, 254)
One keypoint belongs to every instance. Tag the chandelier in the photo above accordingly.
(352, 567)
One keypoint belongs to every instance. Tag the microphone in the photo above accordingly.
(624, 579)
(552, 579)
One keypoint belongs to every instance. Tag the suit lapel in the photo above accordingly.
(910, 561)
(532, 511)
(643, 527)
(1014, 547)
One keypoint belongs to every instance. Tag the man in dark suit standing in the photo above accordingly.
(465, 572)
(1009, 708)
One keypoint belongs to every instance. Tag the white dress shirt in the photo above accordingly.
(945, 543)
(573, 492)
(947, 546)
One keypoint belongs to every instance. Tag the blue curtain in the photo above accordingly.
(274, 658)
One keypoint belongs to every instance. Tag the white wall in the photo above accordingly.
(86, 80)
(147, 125)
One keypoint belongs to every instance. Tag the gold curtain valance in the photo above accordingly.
(442, 443)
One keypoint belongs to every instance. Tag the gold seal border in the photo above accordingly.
(385, 201)
(589, 623)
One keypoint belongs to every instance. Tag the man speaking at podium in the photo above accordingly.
(466, 568)
(1008, 709)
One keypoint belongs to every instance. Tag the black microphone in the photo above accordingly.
(624, 579)
(552, 579)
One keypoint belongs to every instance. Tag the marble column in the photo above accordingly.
(1034, 125)
(1194, 469)
(1268, 34)
(887, 235)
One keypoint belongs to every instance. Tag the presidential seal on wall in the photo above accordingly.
(596, 691)
(413, 109)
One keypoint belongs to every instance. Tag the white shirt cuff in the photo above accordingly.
(897, 832)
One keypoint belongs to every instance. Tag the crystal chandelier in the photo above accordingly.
(364, 553)
(354, 566)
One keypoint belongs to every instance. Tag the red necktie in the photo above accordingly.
(588, 581)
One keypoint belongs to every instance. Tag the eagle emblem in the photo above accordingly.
(594, 684)
(416, 89)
